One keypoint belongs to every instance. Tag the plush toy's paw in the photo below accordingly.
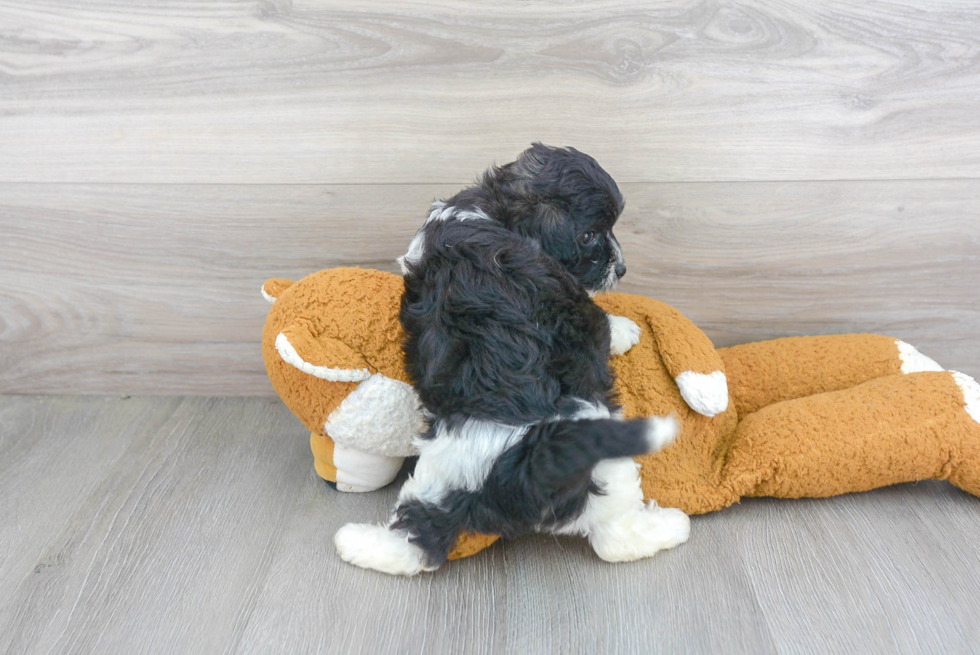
(641, 533)
(971, 394)
(706, 394)
(624, 334)
(358, 471)
(913, 361)
(378, 548)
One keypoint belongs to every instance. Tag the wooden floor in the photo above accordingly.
(197, 525)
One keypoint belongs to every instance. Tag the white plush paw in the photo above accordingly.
(358, 471)
(971, 394)
(913, 361)
(706, 394)
(624, 334)
(641, 533)
(378, 548)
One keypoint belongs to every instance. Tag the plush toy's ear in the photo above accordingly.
(273, 288)
(320, 356)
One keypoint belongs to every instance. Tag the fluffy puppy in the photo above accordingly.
(509, 356)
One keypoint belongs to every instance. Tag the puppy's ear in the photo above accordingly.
(556, 232)
(532, 161)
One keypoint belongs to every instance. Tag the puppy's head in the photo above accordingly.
(565, 200)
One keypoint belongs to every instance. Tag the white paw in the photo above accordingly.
(624, 334)
(641, 533)
(971, 394)
(913, 361)
(706, 394)
(378, 548)
(661, 431)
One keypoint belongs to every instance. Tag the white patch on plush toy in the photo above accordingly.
(440, 212)
(619, 525)
(623, 334)
(705, 394)
(291, 357)
(267, 296)
(913, 361)
(376, 547)
(971, 393)
(458, 460)
(381, 415)
(358, 471)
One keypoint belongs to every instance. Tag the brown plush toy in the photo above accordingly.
(790, 418)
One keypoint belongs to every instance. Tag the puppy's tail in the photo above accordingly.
(561, 450)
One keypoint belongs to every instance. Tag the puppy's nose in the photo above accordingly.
(620, 270)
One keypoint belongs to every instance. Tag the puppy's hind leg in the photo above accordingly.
(418, 537)
(619, 525)
(380, 548)
(434, 503)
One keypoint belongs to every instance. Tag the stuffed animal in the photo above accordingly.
(790, 418)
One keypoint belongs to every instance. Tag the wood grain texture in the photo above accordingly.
(154, 289)
(866, 562)
(166, 553)
(198, 525)
(41, 484)
(270, 91)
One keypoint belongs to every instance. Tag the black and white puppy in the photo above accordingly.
(509, 356)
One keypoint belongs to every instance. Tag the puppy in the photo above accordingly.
(509, 356)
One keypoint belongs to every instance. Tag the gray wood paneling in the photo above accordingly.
(154, 289)
(866, 561)
(168, 551)
(198, 525)
(430, 92)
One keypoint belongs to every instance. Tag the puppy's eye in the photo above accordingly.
(587, 238)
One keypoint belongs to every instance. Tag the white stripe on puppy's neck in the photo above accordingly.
(440, 212)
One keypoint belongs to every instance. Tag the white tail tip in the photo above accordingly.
(661, 431)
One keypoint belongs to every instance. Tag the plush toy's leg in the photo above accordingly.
(350, 469)
(767, 372)
(893, 429)
(966, 474)
(619, 525)
(322, 447)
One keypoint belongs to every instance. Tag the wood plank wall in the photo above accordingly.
(789, 168)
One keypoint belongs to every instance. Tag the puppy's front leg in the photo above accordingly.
(623, 333)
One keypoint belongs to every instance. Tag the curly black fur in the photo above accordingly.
(501, 328)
